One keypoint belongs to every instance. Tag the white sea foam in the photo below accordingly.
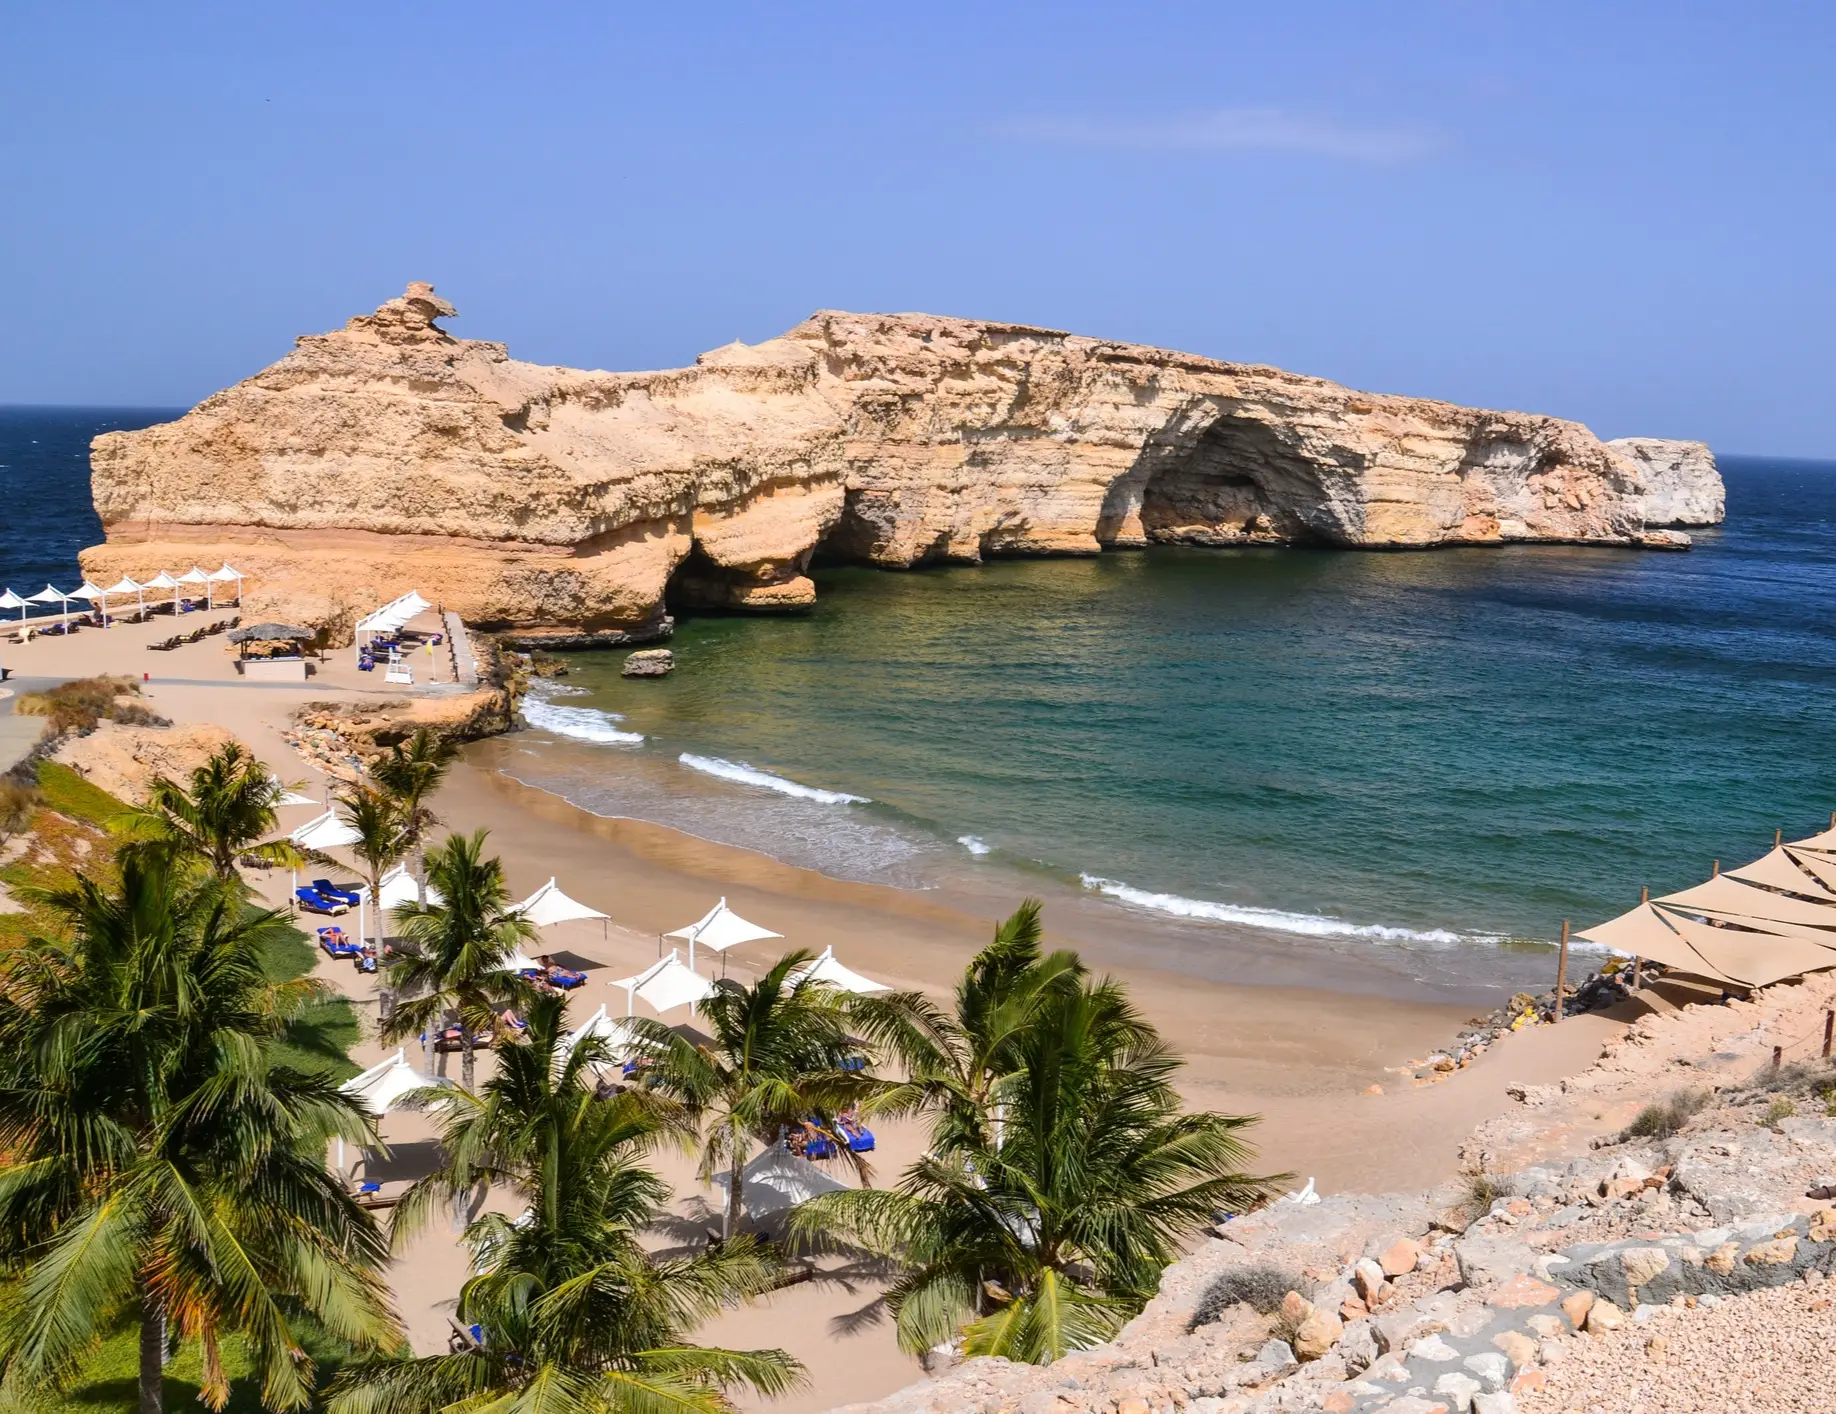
(751, 776)
(1313, 925)
(581, 723)
(973, 845)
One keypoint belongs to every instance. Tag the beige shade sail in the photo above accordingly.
(1822, 865)
(1755, 958)
(1729, 895)
(1826, 840)
(1778, 870)
(1825, 936)
(1644, 932)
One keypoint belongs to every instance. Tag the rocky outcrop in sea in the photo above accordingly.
(390, 455)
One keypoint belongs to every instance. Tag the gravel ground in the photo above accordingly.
(1764, 1353)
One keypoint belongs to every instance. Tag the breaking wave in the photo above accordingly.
(581, 723)
(746, 775)
(973, 845)
(1311, 924)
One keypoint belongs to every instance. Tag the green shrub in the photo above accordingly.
(1779, 1109)
(63, 790)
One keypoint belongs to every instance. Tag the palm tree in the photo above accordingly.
(381, 837)
(452, 956)
(954, 1061)
(225, 811)
(410, 775)
(1043, 1226)
(160, 1165)
(776, 1059)
(576, 1317)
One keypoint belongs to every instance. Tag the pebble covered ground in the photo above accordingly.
(1768, 1352)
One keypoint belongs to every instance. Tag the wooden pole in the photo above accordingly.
(1717, 869)
(1778, 1054)
(1778, 838)
(1829, 1026)
(1638, 963)
(1561, 975)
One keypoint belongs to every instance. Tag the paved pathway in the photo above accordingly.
(17, 734)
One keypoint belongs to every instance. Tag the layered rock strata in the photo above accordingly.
(390, 455)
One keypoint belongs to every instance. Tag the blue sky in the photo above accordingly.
(1620, 213)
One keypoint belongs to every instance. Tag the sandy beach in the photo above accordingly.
(1301, 1057)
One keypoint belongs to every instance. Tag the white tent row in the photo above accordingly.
(91, 593)
(720, 928)
(388, 619)
(665, 985)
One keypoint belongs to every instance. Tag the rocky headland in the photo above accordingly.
(391, 455)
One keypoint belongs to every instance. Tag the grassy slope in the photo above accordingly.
(72, 831)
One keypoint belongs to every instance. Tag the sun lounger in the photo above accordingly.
(331, 890)
(447, 1042)
(564, 979)
(859, 1137)
(313, 902)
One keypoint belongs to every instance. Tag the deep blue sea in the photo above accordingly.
(46, 515)
(1433, 753)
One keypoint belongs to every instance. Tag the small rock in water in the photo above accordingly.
(649, 663)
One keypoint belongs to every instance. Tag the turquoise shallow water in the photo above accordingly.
(1429, 750)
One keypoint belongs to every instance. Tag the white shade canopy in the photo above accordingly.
(325, 831)
(721, 928)
(384, 1086)
(293, 797)
(393, 614)
(48, 595)
(126, 586)
(10, 600)
(548, 906)
(778, 1179)
(398, 889)
(519, 961)
(844, 979)
(615, 1031)
(194, 575)
(88, 591)
(162, 580)
(665, 985)
(226, 573)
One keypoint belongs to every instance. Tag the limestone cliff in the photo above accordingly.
(390, 455)
(1682, 483)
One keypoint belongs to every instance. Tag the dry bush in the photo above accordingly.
(1260, 1286)
(18, 801)
(1668, 1116)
